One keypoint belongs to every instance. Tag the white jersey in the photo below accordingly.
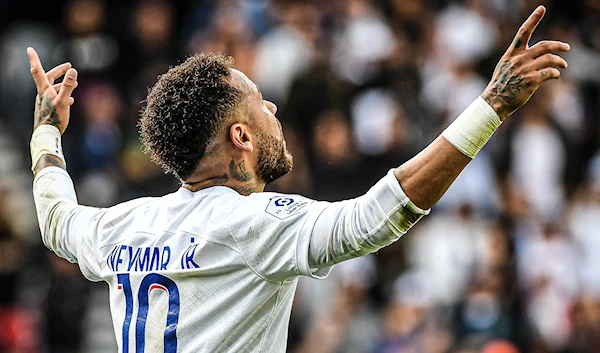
(212, 271)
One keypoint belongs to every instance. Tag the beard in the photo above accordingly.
(274, 160)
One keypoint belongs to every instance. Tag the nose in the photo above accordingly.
(271, 106)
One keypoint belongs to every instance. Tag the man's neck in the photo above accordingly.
(235, 176)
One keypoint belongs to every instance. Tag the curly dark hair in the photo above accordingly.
(184, 111)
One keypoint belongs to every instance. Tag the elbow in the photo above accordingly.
(378, 228)
(372, 228)
(50, 222)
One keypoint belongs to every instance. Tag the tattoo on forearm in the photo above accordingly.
(506, 85)
(239, 172)
(49, 160)
(45, 112)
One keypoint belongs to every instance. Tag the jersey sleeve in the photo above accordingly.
(271, 230)
(68, 229)
(283, 236)
(353, 228)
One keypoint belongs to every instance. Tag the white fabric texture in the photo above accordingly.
(45, 140)
(234, 260)
(473, 128)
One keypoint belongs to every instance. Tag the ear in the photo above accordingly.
(241, 137)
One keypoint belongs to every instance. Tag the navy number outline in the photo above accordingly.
(149, 282)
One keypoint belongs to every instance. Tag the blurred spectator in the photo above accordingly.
(476, 186)
(345, 319)
(464, 34)
(229, 32)
(364, 41)
(448, 248)
(335, 158)
(101, 108)
(584, 223)
(17, 325)
(410, 324)
(286, 50)
(549, 278)
(65, 307)
(87, 46)
(586, 325)
(500, 347)
(538, 152)
(487, 312)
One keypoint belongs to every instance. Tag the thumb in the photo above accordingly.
(68, 85)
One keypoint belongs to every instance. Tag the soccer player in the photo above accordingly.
(213, 266)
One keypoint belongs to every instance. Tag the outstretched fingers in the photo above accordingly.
(524, 34)
(37, 71)
(548, 73)
(57, 88)
(57, 72)
(544, 64)
(67, 86)
(548, 46)
(548, 64)
(549, 60)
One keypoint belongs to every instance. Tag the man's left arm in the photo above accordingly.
(518, 74)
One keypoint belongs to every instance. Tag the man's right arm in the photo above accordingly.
(63, 223)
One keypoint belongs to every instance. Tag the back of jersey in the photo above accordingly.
(179, 281)
(212, 270)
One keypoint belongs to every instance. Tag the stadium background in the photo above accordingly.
(509, 261)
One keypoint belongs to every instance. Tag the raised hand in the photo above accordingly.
(53, 101)
(522, 69)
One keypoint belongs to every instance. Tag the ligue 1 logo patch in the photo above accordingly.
(283, 201)
(283, 207)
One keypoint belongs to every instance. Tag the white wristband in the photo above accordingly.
(473, 128)
(45, 140)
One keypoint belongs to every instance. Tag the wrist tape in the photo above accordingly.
(473, 128)
(45, 140)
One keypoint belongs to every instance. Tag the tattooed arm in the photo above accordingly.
(53, 102)
(62, 221)
(522, 69)
(45, 113)
(519, 73)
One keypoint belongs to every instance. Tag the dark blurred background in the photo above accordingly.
(509, 261)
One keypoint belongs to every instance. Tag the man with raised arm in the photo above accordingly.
(213, 267)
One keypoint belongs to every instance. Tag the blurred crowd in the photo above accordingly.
(507, 262)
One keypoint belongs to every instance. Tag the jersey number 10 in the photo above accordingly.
(149, 282)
